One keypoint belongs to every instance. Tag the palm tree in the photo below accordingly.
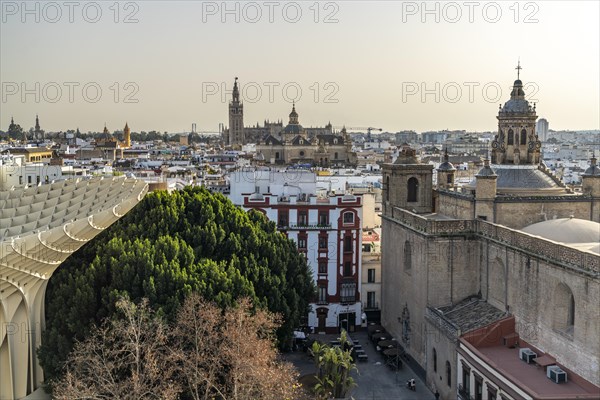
(334, 365)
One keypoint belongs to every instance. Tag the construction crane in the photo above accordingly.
(369, 129)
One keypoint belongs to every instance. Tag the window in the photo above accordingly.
(348, 292)
(434, 360)
(323, 218)
(564, 310)
(412, 189)
(371, 275)
(302, 217)
(347, 244)
(478, 388)
(322, 294)
(322, 267)
(336, 154)
(20, 180)
(348, 218)
(571, 316)
(283, 218)
(448, 374)
(29, 179)
(277, 155)
(523, 136)
(466, 379)
(492, 391)
(348, 268)
(371, 300)
(511, 136)
(302, 243)
(407, 256)
(322, 242)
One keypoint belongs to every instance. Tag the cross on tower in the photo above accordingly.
(519, 68)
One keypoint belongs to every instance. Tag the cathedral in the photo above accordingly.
(292, 144)
(296, 145)
(493, 288)
(111, 147)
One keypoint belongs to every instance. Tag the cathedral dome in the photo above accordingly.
(593, 170)
(582, 233)
(446, 165)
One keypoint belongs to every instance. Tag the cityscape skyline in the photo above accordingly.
(356, 66)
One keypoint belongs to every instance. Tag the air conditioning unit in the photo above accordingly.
(556, 374)
(527, 355)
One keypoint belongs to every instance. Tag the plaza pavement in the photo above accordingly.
(375, 380)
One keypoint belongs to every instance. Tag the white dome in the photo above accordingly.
(572, 231)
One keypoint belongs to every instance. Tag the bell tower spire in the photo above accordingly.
(517, 141)
(236, 118)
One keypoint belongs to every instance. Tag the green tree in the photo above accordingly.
(167, 247)
(334, 365)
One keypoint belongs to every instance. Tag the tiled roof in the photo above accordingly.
(471, 313)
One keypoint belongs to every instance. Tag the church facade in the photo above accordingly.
(511, 261)
(295, 144)
(291, 144)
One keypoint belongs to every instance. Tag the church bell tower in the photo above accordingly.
(517, 141)
(236, 118)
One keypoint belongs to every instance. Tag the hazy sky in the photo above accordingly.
(394, 65)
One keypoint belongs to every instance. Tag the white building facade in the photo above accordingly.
(327, 229)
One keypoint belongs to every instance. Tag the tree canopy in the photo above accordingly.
(167, 247)
(205, 354)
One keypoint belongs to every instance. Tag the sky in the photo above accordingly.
(393, 65)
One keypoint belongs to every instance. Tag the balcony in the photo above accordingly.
(463, 394)
(371, 306)
(310, 226)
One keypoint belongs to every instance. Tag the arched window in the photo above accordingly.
(387, 188)
(523, 136)
(407, 256)
(434, 360)
(413, 187)
(564, 309)
(448, 374)
(511, 137)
